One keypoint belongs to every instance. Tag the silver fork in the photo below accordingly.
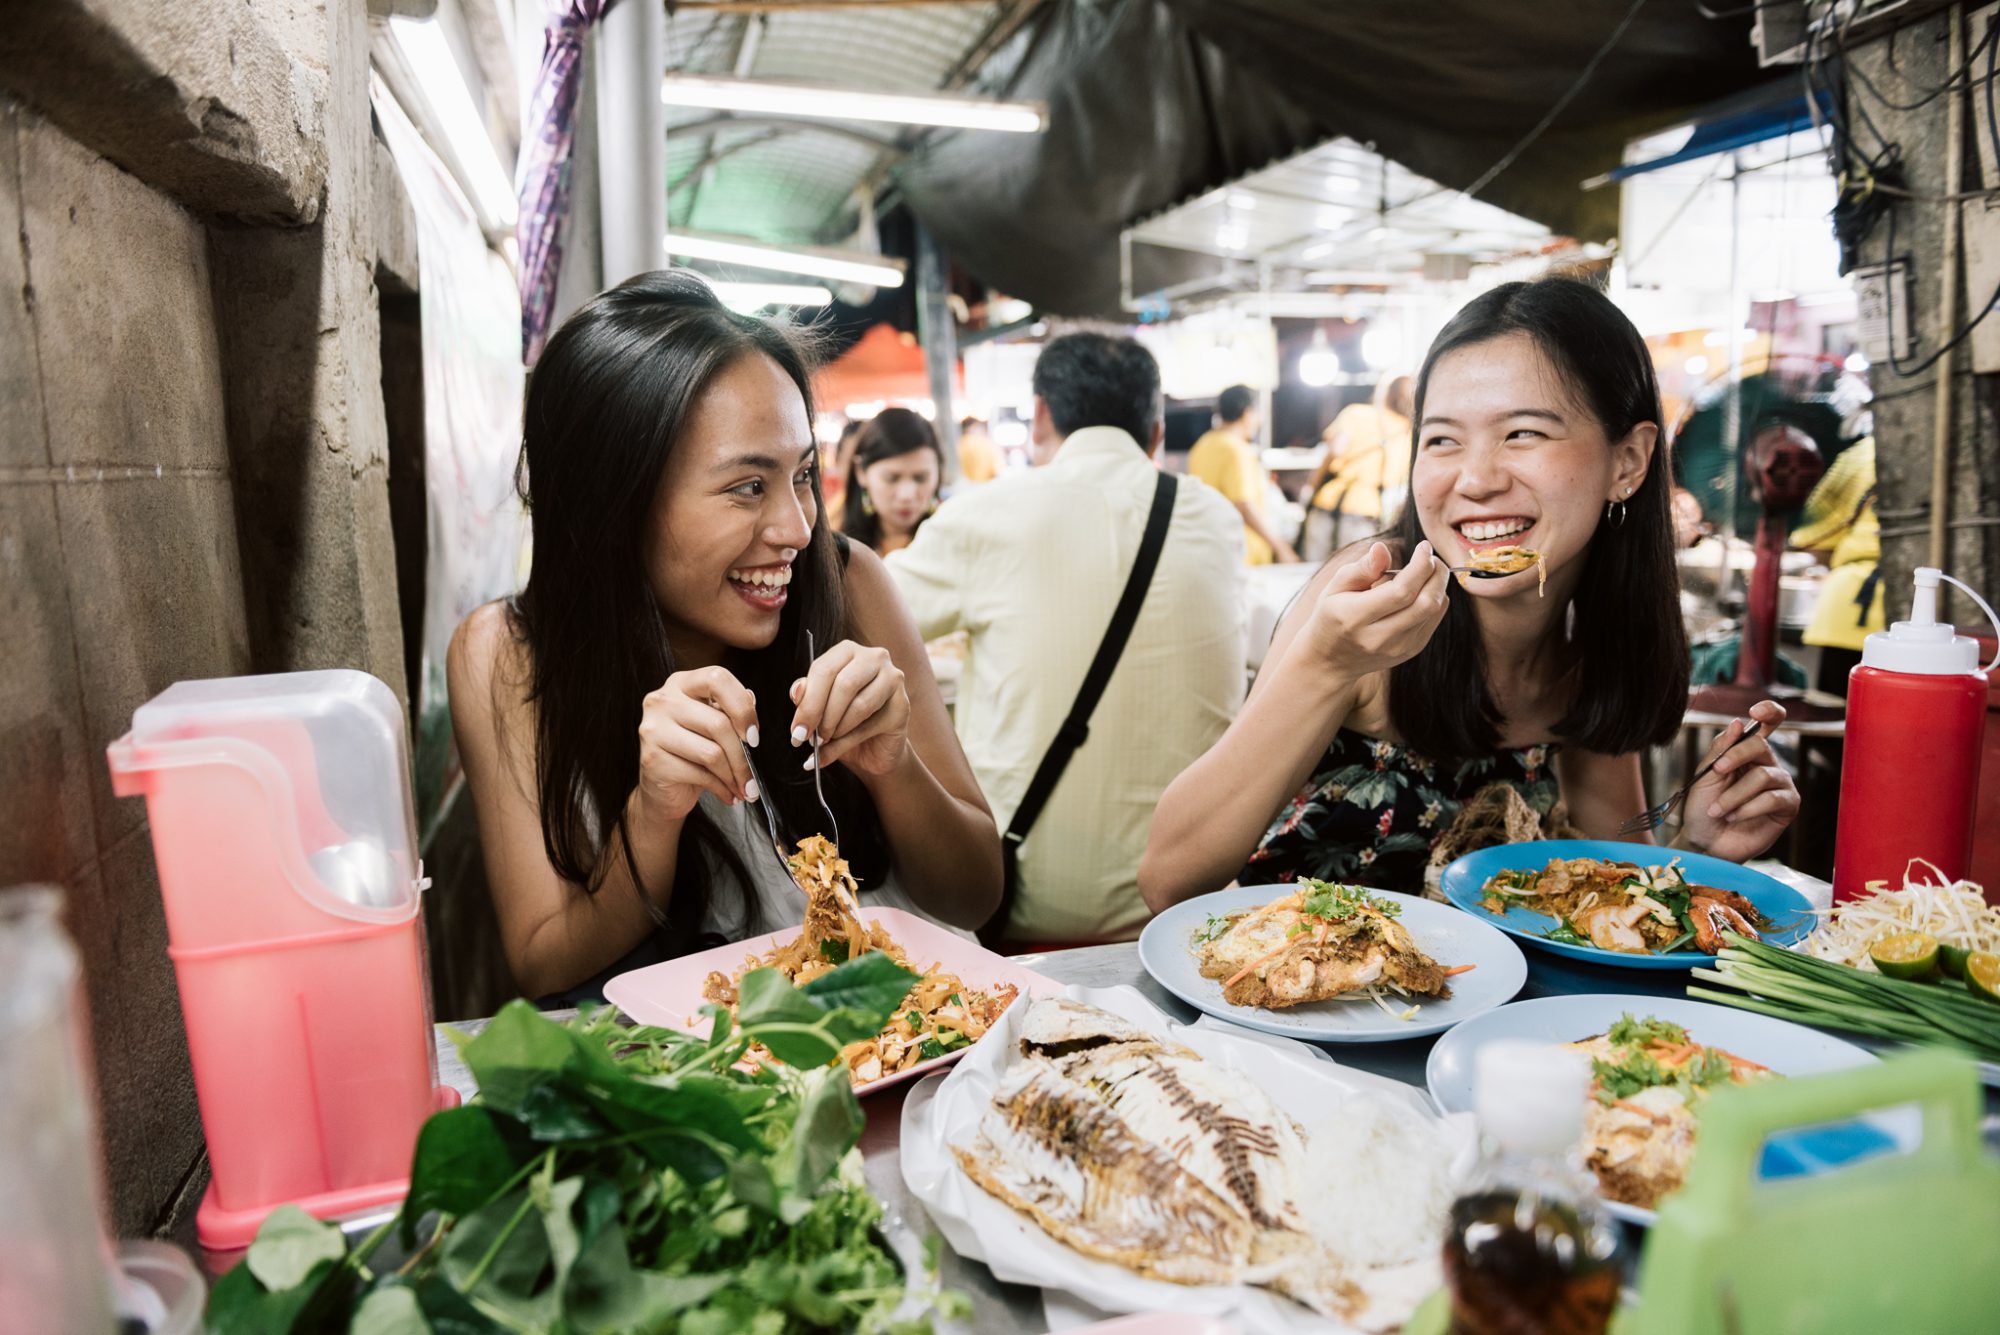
(818, 790)
(770, 813)
(1655, 816)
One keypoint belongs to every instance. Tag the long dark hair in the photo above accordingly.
(606, 405)
(891, 433)
(1626, 665)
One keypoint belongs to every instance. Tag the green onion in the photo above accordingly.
(1795, 986)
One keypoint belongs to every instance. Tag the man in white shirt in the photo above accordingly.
(1032, 565)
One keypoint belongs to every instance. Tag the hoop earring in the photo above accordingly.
(1614, 514)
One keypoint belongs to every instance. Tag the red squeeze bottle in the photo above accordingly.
(1909, 776)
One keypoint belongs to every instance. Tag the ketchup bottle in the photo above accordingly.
(1909, 779)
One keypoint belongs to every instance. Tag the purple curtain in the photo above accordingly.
(545, 159)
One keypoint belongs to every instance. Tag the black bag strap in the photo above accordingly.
(1075, 729)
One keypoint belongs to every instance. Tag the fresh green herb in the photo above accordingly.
(1566, 934)
(1625, 1077)
(1677, 942)
(834, 950)
(610, 1177)
(914, 1019)
(1336, 903)
(1795, 986)
(1708, 1066)
(1296, 929)
(930, 1048)
(1217, 924)
(1630, 1032)
(952, 1039)
(954, 1000)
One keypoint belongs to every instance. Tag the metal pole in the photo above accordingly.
(939, 336)
(1941, 426)
(1732, 403)
(630, 48)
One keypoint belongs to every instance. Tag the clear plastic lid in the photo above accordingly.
(339, 740)
(1529, 1097)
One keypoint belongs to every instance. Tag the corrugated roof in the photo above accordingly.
(792, 181)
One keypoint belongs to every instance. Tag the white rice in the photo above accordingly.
(1378, 1182)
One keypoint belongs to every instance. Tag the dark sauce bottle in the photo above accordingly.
(1530, 1249)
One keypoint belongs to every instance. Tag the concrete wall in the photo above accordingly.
(193, 452)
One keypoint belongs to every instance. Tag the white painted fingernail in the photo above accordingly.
(751, 736)
(809, 762)
(799, 735)
(750, 791)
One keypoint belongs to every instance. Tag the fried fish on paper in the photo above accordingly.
(1130, 1151)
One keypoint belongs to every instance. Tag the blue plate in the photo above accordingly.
(1787, 1048)
(1464, 883)
(1166, 948)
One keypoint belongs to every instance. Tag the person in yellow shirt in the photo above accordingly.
(1839, 522)
(1367, 463)
(978, 456)
(1226, 459)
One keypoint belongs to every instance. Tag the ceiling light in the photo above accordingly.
(753, 297)
(423, 45)
(1317, 251)
(813, 102)
(1319, 365)
(840, 266)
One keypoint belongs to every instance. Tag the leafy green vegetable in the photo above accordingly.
(612, 1177)
(834, 950)
(1336, 903)
(954, 1000)
(1631, 1032)
(1565, 932)
(929, 1048)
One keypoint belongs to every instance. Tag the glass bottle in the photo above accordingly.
(1530, 1249)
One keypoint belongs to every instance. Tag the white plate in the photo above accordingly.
(1787, 1048)
(1166, 948)
(1303, 1082)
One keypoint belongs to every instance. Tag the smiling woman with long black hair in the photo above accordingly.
(681, 556)
(1388, 698)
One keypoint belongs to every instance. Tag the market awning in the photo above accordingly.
(1775, 112)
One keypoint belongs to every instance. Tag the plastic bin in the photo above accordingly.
(283, 829)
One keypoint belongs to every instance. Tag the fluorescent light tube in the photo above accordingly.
(841, 267)
(753, 297)
(423, 45)
(850, 104)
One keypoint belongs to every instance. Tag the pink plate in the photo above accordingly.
(669, 994)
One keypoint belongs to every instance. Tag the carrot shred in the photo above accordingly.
(1244, 972)
(1457, 969)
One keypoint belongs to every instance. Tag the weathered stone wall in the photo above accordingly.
(193, 454)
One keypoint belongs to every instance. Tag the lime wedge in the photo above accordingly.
(1905, 955)
(1982, 974)
(1951, 959)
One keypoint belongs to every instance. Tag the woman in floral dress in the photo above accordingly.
(1390, 696)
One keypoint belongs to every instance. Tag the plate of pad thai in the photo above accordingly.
(963, 990)
(1330, 962)
(1637, 906)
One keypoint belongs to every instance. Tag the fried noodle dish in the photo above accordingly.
(1325, 941)
(939, 1016)
(1511, 560)
(1624, 907)
(1649, 1080)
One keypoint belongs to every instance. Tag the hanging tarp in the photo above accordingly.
(1153, 100)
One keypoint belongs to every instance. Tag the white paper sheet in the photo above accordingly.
(1301, 1080)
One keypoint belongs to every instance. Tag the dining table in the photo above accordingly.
(997, 1306)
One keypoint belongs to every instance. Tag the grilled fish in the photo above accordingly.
(1135, 1151)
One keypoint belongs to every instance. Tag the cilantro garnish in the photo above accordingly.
(1217, 924)
(1630, 1032)
(1337, 903)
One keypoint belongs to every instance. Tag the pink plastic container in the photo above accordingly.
(283, 829)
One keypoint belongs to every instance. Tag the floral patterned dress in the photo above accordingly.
(1372, 809)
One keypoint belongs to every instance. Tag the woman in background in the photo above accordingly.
(892, 485)
(1358, 485)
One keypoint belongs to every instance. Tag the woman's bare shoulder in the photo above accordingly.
(487, 652)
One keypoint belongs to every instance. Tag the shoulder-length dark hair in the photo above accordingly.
(889, 434)
(606, 404)
(1626, 661)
